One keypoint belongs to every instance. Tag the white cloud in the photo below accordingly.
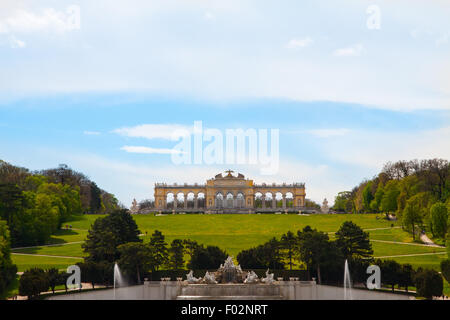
(326, 133)
(239, 58)
(299, 43)
(16, 43)
(352, 51)
(372, 149)
(155, 131)
(91, 133)
(148, 150)
(48, 19)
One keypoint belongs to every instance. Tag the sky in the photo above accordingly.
(101, 85)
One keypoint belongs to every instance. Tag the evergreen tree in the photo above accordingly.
(107, 233)
(353, 242)
(135, 259)
(159, 250)
(288, 242)
(176, 253)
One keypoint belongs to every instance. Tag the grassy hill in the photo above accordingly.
(235, 233)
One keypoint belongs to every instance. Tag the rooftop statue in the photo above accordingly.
(325, 208)
(134, 207)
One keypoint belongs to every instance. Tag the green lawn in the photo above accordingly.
(64, 236)
(71, 250)
(234, 233)
(26, 262)
(392, 234)
(431, 261)
(389, 249)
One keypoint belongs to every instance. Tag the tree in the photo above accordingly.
(377, 197)
(11, 202)
(288, 242)
(389, 200)
(159, 250)
(107, 233)
(436, 173)
(33, 282)
(176, 254)
(135, 259)
(439, 217)
(90, 272)
(95, 204)
(412, 215)
(54, 278)
(353, 242)
(263, 256)
(207, 258)
(313, 249)
(190, 246)
(13, 175)
(391, 272)
(429, 283)
(272, 254)
(343, 202)
(7, 268)
(445, 269)
(406, 276)
(367, 196)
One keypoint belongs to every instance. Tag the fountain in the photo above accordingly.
(230, 282)
(117, 278)
(347, 283)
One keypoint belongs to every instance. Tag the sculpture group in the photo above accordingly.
(230, 273)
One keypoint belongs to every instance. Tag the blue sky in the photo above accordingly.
(345, 98)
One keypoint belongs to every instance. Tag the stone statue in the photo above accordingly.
(252, 277)
(228, 272)
(209, 278)
(325, 208)
(191, 279)
(269, 278)
(134, 207)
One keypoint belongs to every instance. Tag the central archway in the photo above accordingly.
(230, 200)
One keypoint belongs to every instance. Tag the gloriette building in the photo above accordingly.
(230, 194)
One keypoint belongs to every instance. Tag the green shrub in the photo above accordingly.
(429, 283)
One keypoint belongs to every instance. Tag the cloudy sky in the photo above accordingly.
(101, 85)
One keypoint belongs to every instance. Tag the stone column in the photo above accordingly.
(175, 205)
(274, 202)
(263, 199)
(284, 201)
(195, 201)
(185, 200)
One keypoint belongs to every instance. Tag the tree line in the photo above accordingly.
(35, 204)
(416, 192)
